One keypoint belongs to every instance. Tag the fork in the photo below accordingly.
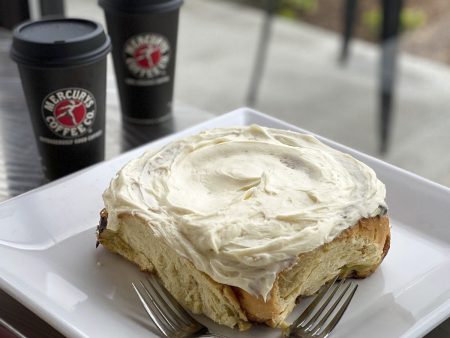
(315, 326)
(171, 319)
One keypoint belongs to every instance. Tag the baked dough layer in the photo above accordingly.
(356, 252)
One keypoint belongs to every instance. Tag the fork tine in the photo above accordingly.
(177, 312)
(154, 318)
(313, 304)
(323, 306)
(319, 325)
(339, 314)
(158, 304)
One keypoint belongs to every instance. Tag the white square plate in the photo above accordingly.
(50, 264)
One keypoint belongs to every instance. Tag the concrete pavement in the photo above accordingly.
(303, 83)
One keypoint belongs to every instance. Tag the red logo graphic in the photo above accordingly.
(70, 113)
(147, 55)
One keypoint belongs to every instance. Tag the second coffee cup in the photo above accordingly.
(144, 39)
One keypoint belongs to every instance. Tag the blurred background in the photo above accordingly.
(371, 74)
(285, 58)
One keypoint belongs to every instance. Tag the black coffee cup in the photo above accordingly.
(62, 65)
(144, 39)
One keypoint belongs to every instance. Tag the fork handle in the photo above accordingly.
(211, 335)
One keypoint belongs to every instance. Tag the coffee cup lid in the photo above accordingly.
(140, 6)
(59, 42)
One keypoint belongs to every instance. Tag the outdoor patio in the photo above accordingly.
(304, 84)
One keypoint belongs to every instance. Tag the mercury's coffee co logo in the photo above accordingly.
(69, 112)
(147, 55)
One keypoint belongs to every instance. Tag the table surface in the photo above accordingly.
(20, 169)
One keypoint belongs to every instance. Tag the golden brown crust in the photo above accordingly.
(371, 235)
(377, 232)
(376, 229)
(256, 309)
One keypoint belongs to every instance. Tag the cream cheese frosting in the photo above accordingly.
(242, 203)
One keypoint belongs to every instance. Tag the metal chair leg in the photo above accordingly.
(261, 53)
(52, 7)
(349, 17)
(389, 40)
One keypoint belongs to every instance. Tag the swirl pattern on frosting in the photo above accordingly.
(242, 203)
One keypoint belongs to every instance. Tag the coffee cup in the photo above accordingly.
(62, 65)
